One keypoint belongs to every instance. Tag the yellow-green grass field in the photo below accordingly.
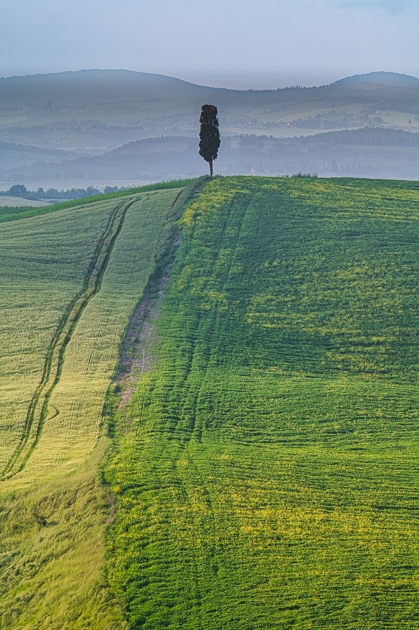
(265, 471)
(70, 282)
(72, 420)
(43, 264)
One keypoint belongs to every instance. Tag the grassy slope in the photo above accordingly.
(72, 422)
(52, 549)
(43, 264)
(266, 475)
(15, 213)
(52, 531)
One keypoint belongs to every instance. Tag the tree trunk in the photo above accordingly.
(210, 163)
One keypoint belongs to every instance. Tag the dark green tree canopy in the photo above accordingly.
(209, 135)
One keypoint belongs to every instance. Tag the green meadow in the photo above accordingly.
(70, 280)
(209, 408)
(265, 468)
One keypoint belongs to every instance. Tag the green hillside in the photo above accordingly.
(266, 429)
(70, 281)
(209, 408)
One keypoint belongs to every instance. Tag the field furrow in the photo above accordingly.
(43, 265)
(75, 401)
(96, 262)
(38, 408)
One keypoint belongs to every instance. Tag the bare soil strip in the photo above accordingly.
(137, 357)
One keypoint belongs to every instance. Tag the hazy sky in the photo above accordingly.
(228, 43)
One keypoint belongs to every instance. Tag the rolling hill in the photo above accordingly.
(266, 461)
(209, 408)
(88, 87)
(93, 112)
(370, 152)
(381, 78)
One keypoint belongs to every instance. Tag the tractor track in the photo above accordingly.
(38, 407)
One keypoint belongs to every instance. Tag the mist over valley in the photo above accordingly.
(107, 126)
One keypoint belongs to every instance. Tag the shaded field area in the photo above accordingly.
(70, 280)
(265, 469)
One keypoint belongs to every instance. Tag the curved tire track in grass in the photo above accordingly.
(38, 407)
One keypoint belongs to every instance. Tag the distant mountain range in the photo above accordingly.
(108, 125)
(381, 78)
(89, 87)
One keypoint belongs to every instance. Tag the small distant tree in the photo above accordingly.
(209, 135)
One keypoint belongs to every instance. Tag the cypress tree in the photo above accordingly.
(209, 135)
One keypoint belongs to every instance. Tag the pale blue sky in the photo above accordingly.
(231, 43)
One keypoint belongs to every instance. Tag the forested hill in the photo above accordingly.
(381, 78)
(91, 87)
(88, 87)
(379, 152)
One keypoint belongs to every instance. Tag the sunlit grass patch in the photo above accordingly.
(71, 280)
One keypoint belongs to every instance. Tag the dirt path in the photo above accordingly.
(137, 357)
